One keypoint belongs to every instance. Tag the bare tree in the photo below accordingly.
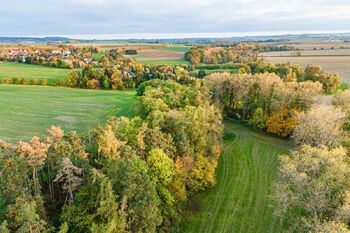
(70, 176)
(320, 126)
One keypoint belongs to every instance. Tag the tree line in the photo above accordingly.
(129, 175)
(234, 53)
(127, 75)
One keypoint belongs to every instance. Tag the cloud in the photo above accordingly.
(53, 17)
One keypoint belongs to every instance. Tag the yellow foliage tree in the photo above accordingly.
(282, 122)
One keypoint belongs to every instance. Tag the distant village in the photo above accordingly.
(56, 57)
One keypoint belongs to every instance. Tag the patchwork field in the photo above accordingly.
(30, 72)
(332, 55)
(318, 43)
(30, 110)
(239, 202)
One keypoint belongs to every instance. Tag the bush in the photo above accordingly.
(6, 81)
(35, 82)
(24, 81)
(93, 84)
(54, 83)
(44, 82)
(15, 81)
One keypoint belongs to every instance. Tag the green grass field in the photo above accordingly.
(164, 62)
(218, 71)
(30, 110)
(239, 202)
(30, 72)
(136, 56)
(97, 56)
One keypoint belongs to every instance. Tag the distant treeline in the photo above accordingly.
(127, 75)
(239, 53)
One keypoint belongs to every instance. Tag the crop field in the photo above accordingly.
(318, 43)
(240, 200)
(156, 54)
(30, 72)
(107, 45)
(31, 110)
(311, 53)
(332, 55)
(332, 64)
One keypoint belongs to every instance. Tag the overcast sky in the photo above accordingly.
(91, 17)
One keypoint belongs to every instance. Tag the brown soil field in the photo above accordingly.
(154, 54)
(328, 52)
(311, 43)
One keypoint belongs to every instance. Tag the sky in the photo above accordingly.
(170, 18)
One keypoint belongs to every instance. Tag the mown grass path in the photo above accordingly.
(239, 202)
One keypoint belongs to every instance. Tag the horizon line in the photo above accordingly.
(186, 35)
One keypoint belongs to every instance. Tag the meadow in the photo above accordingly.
(245, 176)
(164, 62)
(30, 72)
(176, 47)
(31, 110)
(217, 71)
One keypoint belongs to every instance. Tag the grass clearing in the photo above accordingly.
(97, 56)
(30, 110)
(239, 202)
(30, 72)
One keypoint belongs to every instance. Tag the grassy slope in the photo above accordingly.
(30, 72)
(30, 110)
(239, 202)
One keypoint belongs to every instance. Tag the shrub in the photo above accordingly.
(6, 81)
(35, 82)
(93, 84)
(15, 81)
(24, 81)
(44, 82)
(54, 83)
